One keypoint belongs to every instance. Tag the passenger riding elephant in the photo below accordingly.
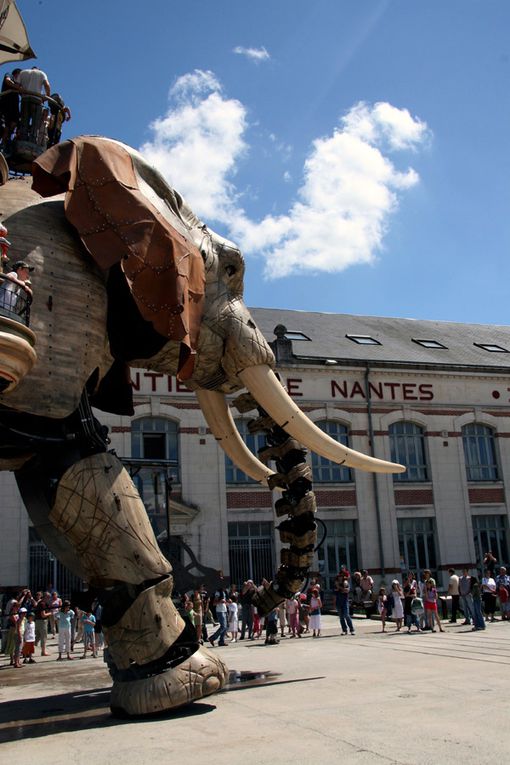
(126, 275)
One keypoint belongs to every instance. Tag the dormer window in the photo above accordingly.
(429, 343)
(363, 340)
(491, 347)
(296, 336)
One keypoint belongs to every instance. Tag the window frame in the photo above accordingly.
(487, 435)
(234, 476)
(419, 472)
(321, 465)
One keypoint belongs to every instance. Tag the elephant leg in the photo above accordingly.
(155, 661)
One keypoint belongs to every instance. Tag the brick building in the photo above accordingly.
(432, 395)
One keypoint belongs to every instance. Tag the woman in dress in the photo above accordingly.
(397, 611)
(233, 617)
(315, 613)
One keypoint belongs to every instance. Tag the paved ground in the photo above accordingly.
(371, 698)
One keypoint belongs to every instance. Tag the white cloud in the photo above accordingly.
(385, 123)
(254, 54)
(197, 144)
(349, 191)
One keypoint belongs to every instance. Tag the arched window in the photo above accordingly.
(480, 452)
(325, 471)
(408, 448)
(254, 442)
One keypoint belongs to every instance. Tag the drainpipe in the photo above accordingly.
(374, 475)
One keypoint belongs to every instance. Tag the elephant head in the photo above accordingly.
(228, 352)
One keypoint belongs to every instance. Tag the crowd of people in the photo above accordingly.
(228, 614)
(30, 622)
(233, 616)
(23, 114)
(413, 604)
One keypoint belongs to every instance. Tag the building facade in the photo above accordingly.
(434, 396)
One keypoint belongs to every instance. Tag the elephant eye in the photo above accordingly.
(230, 270)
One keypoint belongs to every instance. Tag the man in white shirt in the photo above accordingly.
(454, 592)
(33, 83)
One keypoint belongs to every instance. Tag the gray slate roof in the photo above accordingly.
(327, 333)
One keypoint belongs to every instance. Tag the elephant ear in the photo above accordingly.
(117, 223)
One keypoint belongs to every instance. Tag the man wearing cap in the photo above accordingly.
(13, 284)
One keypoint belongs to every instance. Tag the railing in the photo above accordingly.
(15, 303)
(33, 133)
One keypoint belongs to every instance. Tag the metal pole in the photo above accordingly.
(374, 475)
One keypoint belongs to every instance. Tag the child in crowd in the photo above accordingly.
(272, 627)
(233, 617)
(29, 641)
(293, 616)
(381, 607)
(417, 611)
(431, 605)
(64, 619)
(315, 613)
(88, 620)
(304, 614)
(189, 612)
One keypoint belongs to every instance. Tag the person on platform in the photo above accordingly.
(59, 113)
(13, 285)
(34, 85)
(9, 105)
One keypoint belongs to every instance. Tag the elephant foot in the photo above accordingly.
(202, 674)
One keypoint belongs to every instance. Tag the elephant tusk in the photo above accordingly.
(222, 425)
(270, 394)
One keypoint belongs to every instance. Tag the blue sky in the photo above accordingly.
(359, 152)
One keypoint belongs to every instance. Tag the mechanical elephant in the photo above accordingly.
(127, 276)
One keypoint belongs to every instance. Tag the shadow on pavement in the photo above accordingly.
(68, 712)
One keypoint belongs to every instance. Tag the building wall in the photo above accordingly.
(440, 402)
